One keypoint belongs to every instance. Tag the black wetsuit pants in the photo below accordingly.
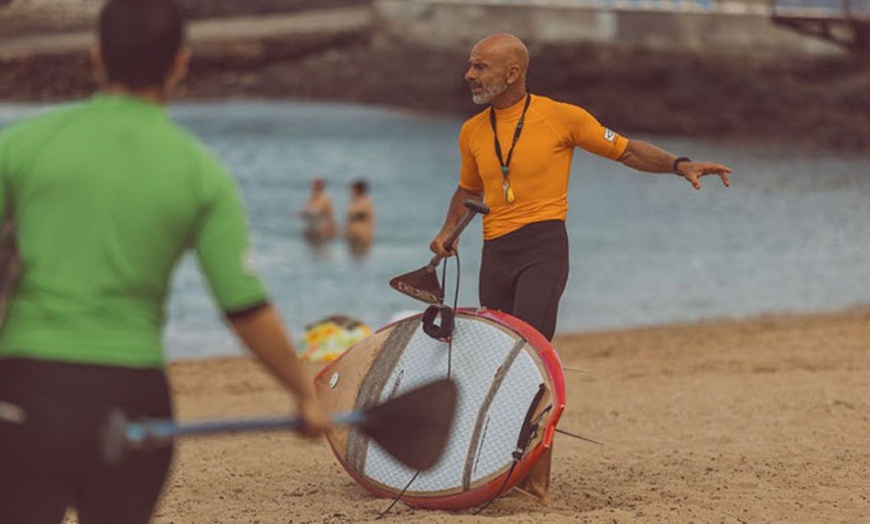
(50, 458)
(523, 273)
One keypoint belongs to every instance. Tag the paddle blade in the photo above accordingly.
(414, 427)
(421, 284)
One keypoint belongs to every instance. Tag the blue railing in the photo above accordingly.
(674, 5)
(858, 9)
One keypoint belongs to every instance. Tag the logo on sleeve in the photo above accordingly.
(609, 135)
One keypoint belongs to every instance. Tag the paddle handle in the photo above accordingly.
(474, 207)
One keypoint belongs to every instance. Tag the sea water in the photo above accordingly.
(790, 235)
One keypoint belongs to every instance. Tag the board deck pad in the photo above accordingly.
(499, 364)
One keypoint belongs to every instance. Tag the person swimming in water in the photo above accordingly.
(319, 214)
(360, 226)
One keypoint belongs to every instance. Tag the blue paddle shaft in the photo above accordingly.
(138, 433)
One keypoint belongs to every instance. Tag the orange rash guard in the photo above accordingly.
(540, 167)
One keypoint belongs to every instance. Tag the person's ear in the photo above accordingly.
(179, 68)
(98, 65)
(513, 73)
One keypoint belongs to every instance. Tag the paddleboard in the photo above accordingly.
(511, 395)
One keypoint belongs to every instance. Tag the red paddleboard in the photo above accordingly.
(511, 395)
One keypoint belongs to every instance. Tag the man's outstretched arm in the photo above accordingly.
(649, 158)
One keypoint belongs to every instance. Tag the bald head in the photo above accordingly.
(504, 47)
(497, 69)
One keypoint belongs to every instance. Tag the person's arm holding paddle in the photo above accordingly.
(455, 213)
(223, 249)
(263, 333)
(470, 187)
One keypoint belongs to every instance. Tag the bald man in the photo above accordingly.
(516, 155)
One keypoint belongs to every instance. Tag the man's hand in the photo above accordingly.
(693, 171)
(263, 333)
(650, 158)
(455, 213)
(437, 246)
(315, 419)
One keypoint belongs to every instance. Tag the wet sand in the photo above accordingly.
(733, 421)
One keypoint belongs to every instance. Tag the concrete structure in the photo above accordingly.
(845, 22)
(247, 37)
(721, 28)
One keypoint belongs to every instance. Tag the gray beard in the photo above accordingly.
(489, 93)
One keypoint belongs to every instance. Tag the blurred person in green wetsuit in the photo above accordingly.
(107, 195)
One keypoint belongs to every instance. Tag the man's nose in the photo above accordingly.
(469, 75)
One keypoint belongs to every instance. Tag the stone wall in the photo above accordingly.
(34, 16)
(19, 17)
(452, 24)
(807, 98)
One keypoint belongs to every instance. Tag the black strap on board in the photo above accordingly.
(442, 331)
(527, 432)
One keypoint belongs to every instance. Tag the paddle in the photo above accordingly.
(422, 283)
(412, 427)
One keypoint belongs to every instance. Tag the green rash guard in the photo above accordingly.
(107, 195)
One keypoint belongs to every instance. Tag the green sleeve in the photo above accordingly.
(4, 182)
(223, 244)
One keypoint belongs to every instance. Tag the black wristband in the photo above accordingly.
(679, 160)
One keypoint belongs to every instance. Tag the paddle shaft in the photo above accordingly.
(138, 433)
(474, 207)
(412, 427)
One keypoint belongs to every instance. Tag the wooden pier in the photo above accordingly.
(843, 22)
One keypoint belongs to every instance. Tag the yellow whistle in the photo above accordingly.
(509, 195)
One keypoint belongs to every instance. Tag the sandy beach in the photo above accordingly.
(756, 420)
(731, 421)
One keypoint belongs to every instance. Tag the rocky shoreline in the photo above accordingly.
(811, 102)
(823, 103)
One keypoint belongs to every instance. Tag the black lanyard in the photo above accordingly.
(505, 164)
